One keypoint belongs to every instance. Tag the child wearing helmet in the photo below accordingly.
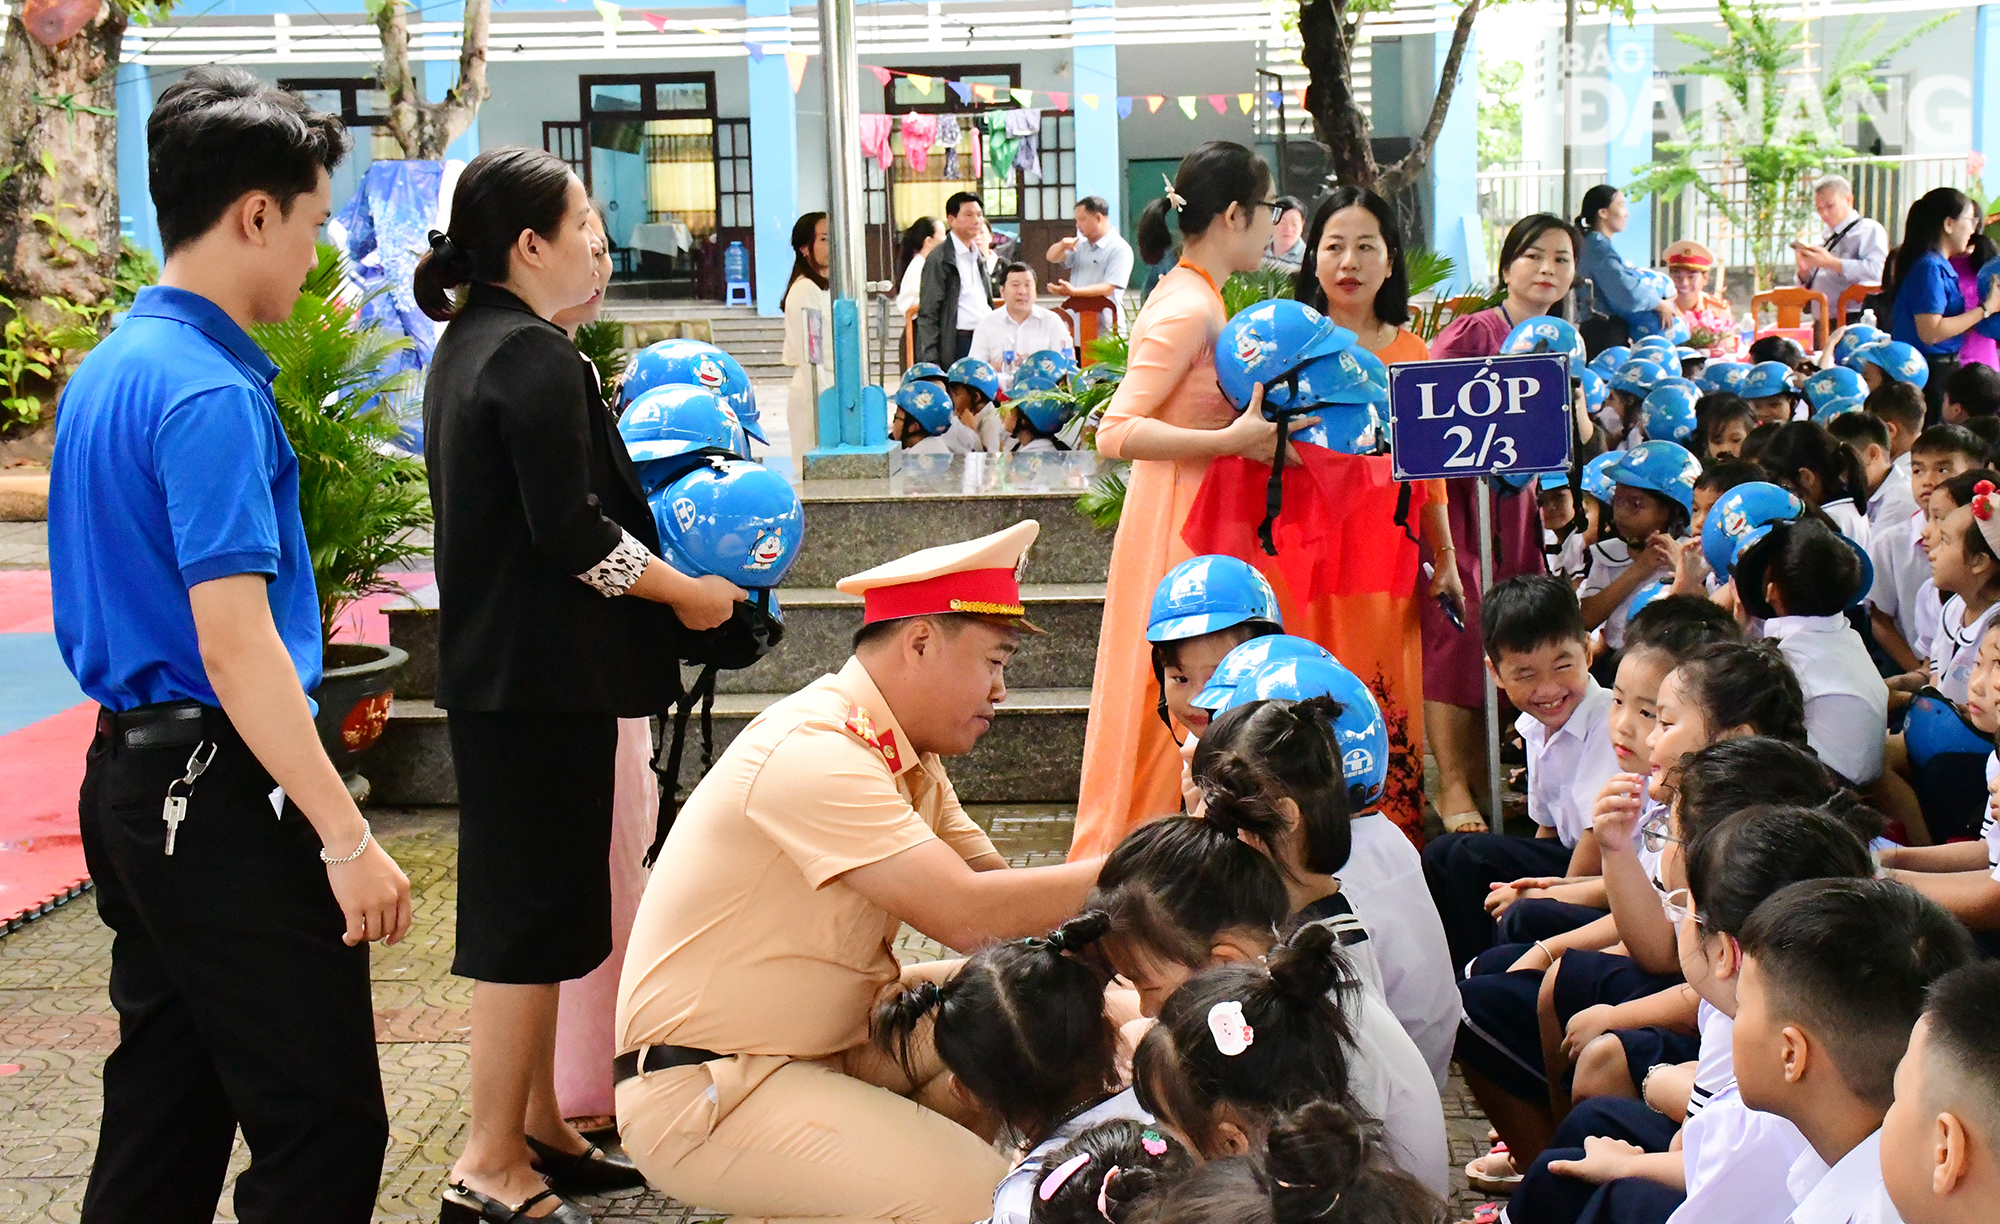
(1651, 507)
(1562, 522)
(1204, 608)
(975, 387)
(924, 420)
(1032, 417)
(1769, 391)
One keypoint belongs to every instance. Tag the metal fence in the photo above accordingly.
(1884, 188)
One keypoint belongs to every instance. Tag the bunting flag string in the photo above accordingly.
(1221, 107)
(795, 63)
(1187, 104)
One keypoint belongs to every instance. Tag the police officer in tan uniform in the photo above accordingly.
(746, 1082)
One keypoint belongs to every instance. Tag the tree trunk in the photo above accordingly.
(1338, 120)
(426, 129)
(59, 169)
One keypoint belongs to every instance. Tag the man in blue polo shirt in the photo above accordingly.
(241, 880)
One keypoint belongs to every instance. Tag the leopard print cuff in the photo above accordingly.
(615, 574)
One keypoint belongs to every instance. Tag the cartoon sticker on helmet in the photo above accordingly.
(1734, 522)
(1358, 762)
(1247, 348)
(768, 547)
(685, 513)
(708, 372)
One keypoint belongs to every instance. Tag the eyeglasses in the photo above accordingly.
(1679, 905)
(1657, 832)
(1277, 210)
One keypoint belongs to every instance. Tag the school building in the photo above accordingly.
(697, 126)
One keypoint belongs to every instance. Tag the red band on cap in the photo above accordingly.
(987, 592)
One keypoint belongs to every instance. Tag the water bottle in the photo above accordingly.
(1868, 317)
(736, 264)
(1747, 334)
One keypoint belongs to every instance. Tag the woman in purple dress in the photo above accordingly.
(1537, 265)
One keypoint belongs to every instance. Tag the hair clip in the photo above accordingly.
(1982, 500)
(1104, 1192)
(1151, 1141)
(1060, 1174)
(1173, 197)
(929, 994)
(1232, 1033)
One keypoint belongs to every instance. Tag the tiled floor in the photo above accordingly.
(24, 546)
(56, 1027)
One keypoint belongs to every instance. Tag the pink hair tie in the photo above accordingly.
(1060, 1174)
(1104, 1192)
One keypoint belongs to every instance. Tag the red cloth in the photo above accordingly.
(1335, 534)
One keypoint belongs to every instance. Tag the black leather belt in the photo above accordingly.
(155, 726)
(657, 1058)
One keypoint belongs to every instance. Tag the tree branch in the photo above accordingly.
(1406, 169)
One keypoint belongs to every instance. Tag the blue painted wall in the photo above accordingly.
(1986, 92)
(1099, 167)
(1454, 167)
(774, 164)
(1630, 151)
(135, 199)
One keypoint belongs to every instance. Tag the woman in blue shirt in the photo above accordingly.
(1931, 314)
(1616, 286)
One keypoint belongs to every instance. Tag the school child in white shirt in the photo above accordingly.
(1833, 980)
(1965, 564)
(1113, 1162)
(1800, 578)
(1887, 486)
(1563, 526)
(1803, 457)
(1900, 408)
(1536, 648)
(1729, 1164)
(1723, 420)
(1902, 566)
(1941, 1139)
(1189, 898)
(1286, 756)
(1651, 507)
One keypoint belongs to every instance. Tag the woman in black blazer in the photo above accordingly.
(541, 529)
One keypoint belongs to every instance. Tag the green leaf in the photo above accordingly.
(48, 163)
(1103, 503)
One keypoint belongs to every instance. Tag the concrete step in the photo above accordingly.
(852, 525)
(1033, 754)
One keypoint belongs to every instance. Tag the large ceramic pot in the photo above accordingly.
(354, 695)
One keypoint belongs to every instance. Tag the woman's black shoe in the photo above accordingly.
(464, 1205)
(588, 1171)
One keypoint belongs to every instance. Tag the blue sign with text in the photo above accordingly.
(1472, 416)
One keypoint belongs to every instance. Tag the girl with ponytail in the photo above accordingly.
(1107, 1173)
(1189, 896)
(1022, 1032)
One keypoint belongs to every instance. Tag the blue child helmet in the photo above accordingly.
(698, 364)
(1360, 734)
(1658, 281)
(1248, 657)
(1751, 561)
(1984, 280)
(974, 373)
(1901, 362)
(1737, 513)
(1205, 594)
(1688, 354)
(1637, 377)
(675, 420)
(1596, 479)
(929, 370)
(1646, 594)
(1668, 411)
(1766, 378)
(1658, 347)
(1854, 338)
(1263, 345)
(1833, 383)
(1052, 364)
(926, 403)
(732, 518)
(1726, 375)
(1610, 359)
(1836, 407)
(1349, 376)
(1659, 466)
(1594, 388)
(1047, 413)
(1031, 382)
(1350, 429)
(1546, 334)
(1645, 325)
(1549, 482)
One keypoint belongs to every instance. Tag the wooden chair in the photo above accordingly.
(1790, 304)
(1083, 314)
(1853, 294)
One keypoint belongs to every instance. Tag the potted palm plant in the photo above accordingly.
(364, 500)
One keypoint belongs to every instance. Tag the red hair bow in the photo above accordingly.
(1982, 500)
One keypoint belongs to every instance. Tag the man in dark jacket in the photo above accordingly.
(956, 290)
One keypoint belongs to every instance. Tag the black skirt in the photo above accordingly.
(534, 844)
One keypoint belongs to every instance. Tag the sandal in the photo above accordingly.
(1486, 1213)
(1485, 1176)
(1466, 822)
(463, 1205)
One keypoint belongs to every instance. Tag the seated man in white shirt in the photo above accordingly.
(1833, 980)
(1853, 250)
(1941, 1140)
(1019, 327)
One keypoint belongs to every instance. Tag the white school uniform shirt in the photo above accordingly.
(1989, 829)
(1956, 647)
(1892, 502)
(1737, 1159)
(1392, 1082)
(1847, 701)
(1605, 561)
(1569, 765)
(1901, 570)
(1850, 518)
(1016, 1192)
(1036, 446)
(1851, 1192)
(1930, 612)
(1384, 882)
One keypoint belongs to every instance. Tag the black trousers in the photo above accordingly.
(1459, 866)
(963, 346)
(1549, 1198)
(238, 1005)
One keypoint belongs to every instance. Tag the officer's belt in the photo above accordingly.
(155, 726)
(657, 1058)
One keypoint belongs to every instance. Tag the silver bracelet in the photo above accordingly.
(366, 833)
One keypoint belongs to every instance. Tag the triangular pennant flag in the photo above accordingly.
(923, 83)
(1023, 96)
(1090, 100)
(1301, 91)
(1243, 101)
(795, 63)
(606, 10)
(985, 93)
(881, 74)
(1187, 104)
(1153, 102)
(711, 31)
(756, 51)
(1219, 103)
(960, 88)
(1060, 99)
(1125, 108)
(1275, 97)
(658, 22)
